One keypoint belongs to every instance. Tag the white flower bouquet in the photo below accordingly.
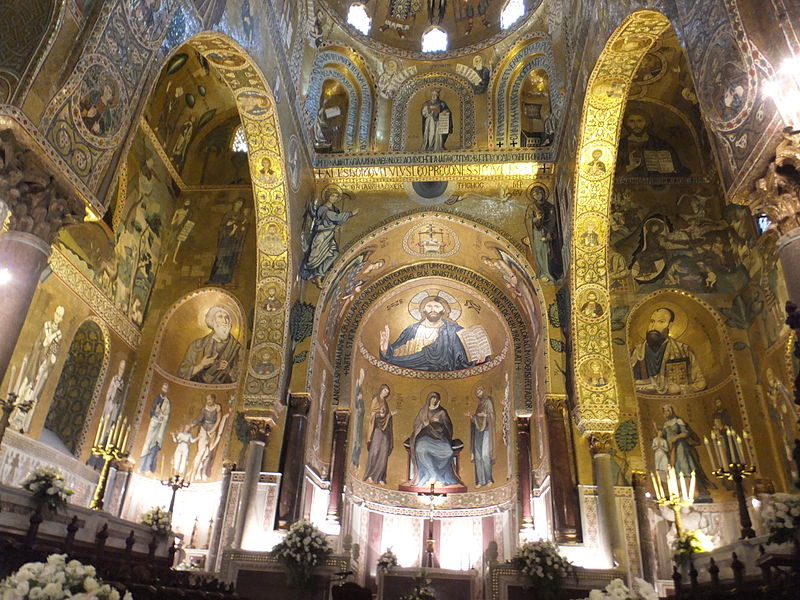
(57, 579)
(303, 548)
(543, 564)
(422, 589)
(617, 590)
(48, 487)
(387, 560)
(782, 518)
(158, 520)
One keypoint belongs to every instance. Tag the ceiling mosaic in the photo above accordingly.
(399, 25)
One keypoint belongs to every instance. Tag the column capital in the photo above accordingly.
(777, 193)
(299, 402)
(555, 407)
(37, 203)
(600, 443)
(259, 427)
(340, 420)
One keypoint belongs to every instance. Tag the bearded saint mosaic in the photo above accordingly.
(436, 342)
(213, 358)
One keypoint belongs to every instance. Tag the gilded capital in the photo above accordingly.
(600, 443)
(340, 420)
(36, 202)
(555, 407)
(777, 194)
(259, 427)
(299, 402)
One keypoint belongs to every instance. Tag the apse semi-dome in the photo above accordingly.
(398, 26)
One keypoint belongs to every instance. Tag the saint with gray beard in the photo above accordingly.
(213, 358)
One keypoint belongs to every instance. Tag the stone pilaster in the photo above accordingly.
(247, 516)
(608, 520)
(341, 419)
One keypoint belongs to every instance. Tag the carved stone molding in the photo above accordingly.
(555, 407)
(38, 205)
(777, 194)
(340, 420)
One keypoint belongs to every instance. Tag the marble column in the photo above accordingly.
(246, 512)
(37, 210)
(213, 544)
(607, 517)
(341, 418)
(564, 494)
(524, 472)
(777, 195)
(649, 561)
(293, 460)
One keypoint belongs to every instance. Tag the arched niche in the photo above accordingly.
(687, 393)
(347, 67)
(522, 95)
(78, 387)
(334, 127)
(206, 327)
(407, 120)
(255, 103)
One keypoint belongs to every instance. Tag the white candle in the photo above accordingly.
(691, 486)
(99, 435)
(11, 381)
(706, 443)
(21, 372)
(684, 491)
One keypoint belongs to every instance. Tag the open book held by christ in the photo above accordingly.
(476, 343)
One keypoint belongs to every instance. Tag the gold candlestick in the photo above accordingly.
(109, 444)
(676, 495)
(735, 464)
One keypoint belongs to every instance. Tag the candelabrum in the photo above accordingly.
(678, 493)
(7, 406)
(175, 483)
(109, 444)
(730, 458)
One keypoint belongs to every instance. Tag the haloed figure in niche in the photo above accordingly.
(213, 358)
(380, 442)
(437, 122)
(482, 430)
(663, 365)
(230, 241)
(431, 445)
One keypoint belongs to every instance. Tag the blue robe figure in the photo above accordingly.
(431, 445)
(323, 249)
(431, 344)
(156, 432)
(482, 437)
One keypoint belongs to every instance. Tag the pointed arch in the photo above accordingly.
(597, 409)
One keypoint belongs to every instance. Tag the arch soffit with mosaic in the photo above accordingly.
(597, 408)
(256, 105)
(333, 57)
(721, 331)
(400, 107)
(507, 79)
(408, 220)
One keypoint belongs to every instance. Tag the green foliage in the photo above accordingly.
(626, 435)
(301, 321)
(741, 314)
(618, 341)
(300, 357)
(553, 316)
(557, 345)
(618, 314)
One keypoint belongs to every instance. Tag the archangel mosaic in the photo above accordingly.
(440, 278)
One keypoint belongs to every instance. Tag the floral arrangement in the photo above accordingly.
(617, 590)
(387, 560)
(688, 543)
(543, 564)
(159, 520)
(782, 518)
(57, 579)
(422, 589)
(48, 487)
(303, 548)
